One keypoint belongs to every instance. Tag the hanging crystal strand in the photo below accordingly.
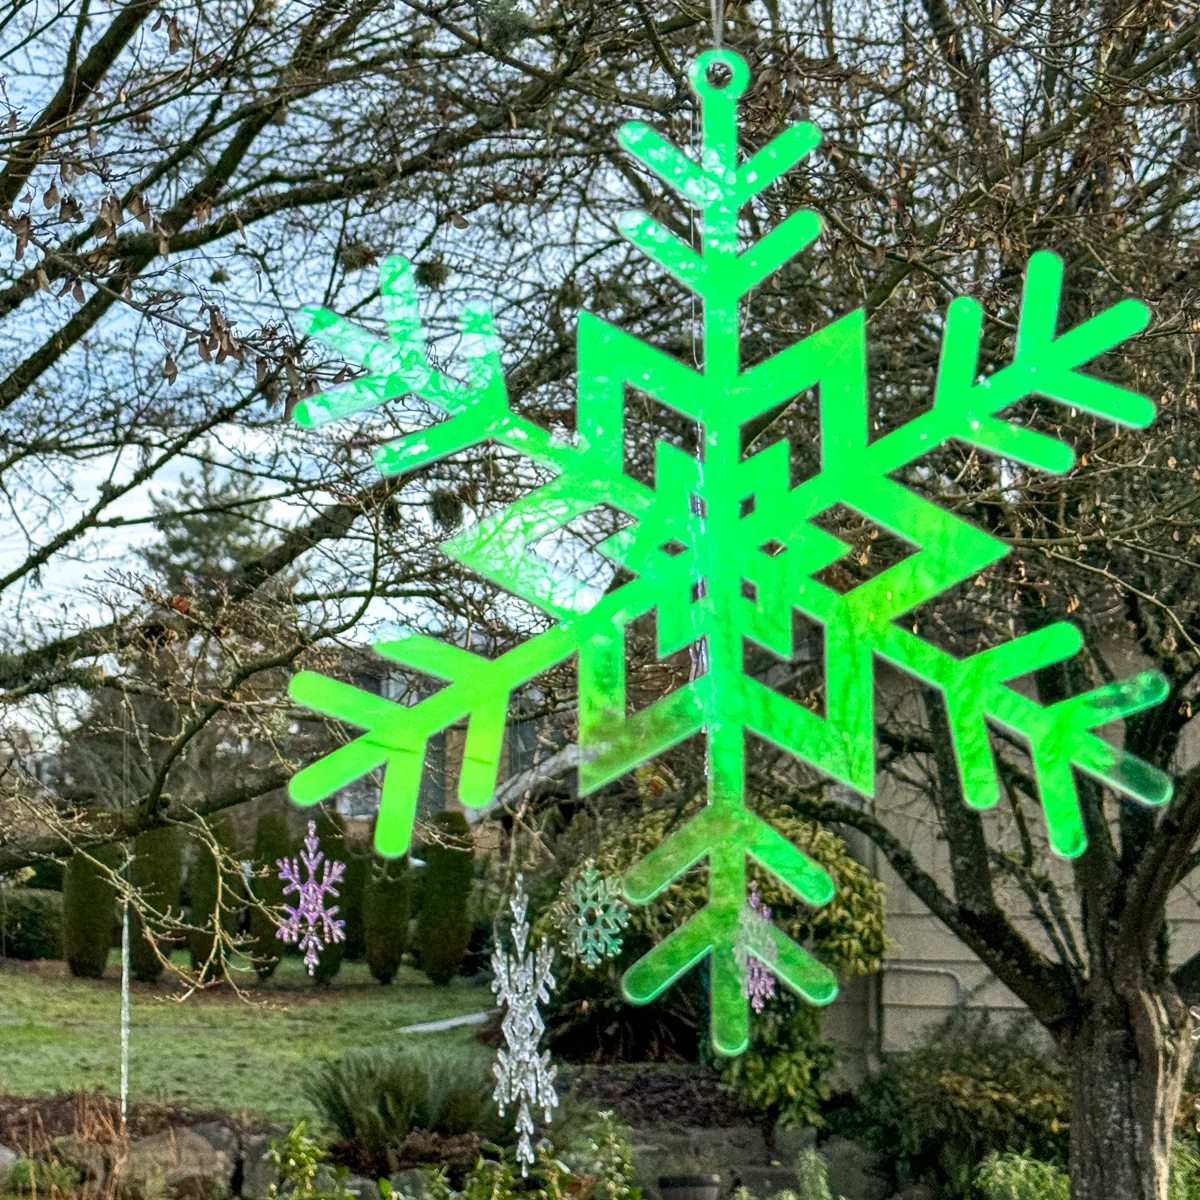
(124, 1011)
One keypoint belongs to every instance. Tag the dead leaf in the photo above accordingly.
(77, 292)
(457, 219)
(170, 370)
(175, 39)
(69, 209)
(50, 196)
(12, 120)
(260, 369)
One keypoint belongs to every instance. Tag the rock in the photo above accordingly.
(362, 1187)
(177, 1164)
(258, 1171)
(219, 1137)
(90, 1159)
(790, 1142)
(407, 1183)
(764, 1181)
(855, 1171)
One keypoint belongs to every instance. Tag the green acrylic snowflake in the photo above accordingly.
(704, 550)
(597, 918)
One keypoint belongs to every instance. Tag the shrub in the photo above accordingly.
(88, 912)
(203, 876)
(444, 924)
(975, 1090)
(387, 909)
(157, 873)
(47, 875)
(1020, 1177)
(42, 1175)
(31, 923)
(331, 834)
(589, 1019)
(785, 1070)
(272, 841)
(373, 1098)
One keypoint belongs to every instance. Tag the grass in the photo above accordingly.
(213, 1050)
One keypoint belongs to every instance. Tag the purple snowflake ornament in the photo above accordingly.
(310, 923)
(760, 983)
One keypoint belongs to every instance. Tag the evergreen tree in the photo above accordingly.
(89, 910)
(206, 526)
(157, 873)
(272, 841)
(203, 877)
(444, 923)
(387, 909)
(331, 834)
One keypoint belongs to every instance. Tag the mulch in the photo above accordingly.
(655, 1095)
(28, 1124)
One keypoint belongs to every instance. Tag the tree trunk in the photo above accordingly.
(1128, 1066)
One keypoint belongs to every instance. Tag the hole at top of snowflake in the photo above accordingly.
(871, 549)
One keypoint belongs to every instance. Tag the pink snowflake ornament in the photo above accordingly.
(309, 922)
(760, 982)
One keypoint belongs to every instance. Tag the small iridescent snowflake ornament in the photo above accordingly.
(523, 1075)
(597, 917)
(760, 982)
(310, 923)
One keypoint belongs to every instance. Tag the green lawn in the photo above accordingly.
(214, 1050)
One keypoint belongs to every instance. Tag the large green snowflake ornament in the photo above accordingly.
(704, 550)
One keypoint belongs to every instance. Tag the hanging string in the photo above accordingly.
(718, 22)
(125, 942)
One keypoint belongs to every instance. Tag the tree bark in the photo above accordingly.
(1128, 1066)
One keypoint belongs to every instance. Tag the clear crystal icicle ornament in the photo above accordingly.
(524, 1076)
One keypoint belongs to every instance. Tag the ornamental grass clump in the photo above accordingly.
(374, 1098)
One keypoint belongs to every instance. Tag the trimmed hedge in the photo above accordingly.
(331, 834)
(272, 841)
(31, 923)
(444, 924)
(353, 889)
(202, 880)
(157, 873)
(89, 911)
(387, 910)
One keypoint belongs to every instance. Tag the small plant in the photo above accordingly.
(298, 1158)
(1020, 1177)
(812, 1176)
(34, 1175)
(603, 1153)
